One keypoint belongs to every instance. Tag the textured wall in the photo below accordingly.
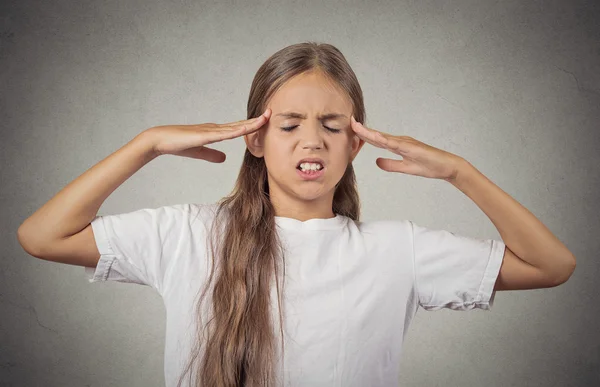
(512, 86)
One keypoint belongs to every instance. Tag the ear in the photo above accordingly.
(255, 143)
(356, 146)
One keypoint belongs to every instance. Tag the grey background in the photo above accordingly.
(511, 86)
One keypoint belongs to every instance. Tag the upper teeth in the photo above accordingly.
(312, 166)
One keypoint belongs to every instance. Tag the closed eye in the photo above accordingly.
(290, 128)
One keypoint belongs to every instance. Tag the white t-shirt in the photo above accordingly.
(351, 290)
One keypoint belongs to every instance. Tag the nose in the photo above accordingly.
(311, 136)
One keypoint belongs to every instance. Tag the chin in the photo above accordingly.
(313, 193)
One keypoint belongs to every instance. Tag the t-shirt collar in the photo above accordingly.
(336, 222)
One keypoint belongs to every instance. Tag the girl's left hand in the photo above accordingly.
(419, 159)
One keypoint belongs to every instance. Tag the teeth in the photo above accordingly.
(310, 166)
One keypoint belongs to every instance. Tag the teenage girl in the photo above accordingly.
(293, 218)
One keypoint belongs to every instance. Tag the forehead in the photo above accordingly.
(310, 92)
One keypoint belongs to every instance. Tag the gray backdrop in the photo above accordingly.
(512, 86)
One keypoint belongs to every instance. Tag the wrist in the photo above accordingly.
(463, 169)
(147, 140)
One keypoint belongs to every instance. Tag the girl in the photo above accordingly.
(351, 287)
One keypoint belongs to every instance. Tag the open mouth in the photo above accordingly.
(311, 165)
(310, 170)
(310, 174)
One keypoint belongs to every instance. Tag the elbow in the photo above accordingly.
(567, 271)
(26, 243)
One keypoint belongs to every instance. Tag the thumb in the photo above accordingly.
(391, 165)
(203, 153)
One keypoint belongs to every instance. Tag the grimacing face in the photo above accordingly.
(311, 95)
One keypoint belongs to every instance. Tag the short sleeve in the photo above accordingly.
(454, 271)
(139, 246)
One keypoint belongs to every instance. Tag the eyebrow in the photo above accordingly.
(328, 116)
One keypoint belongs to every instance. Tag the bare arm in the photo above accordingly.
(75, 206)
(60, 230)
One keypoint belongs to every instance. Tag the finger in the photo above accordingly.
(262, 118)
(253, 125)
(212, 155)
(371, 136)
(204, 153)
(240, 130)
(374, 133)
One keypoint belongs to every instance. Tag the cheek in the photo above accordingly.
(343, 148)
(276, 154)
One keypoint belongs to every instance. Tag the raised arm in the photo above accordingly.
(47, 232)
(60, 230)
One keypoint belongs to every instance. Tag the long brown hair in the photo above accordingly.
(241, 348)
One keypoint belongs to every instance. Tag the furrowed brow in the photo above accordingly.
(328, 116)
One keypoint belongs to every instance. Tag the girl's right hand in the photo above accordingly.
(189, 140)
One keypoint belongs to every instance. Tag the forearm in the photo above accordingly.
(521, 231)
(76, 205)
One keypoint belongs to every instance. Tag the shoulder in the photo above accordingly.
(383, 226)
(384, 232)
(190, 209)
(180, 214)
